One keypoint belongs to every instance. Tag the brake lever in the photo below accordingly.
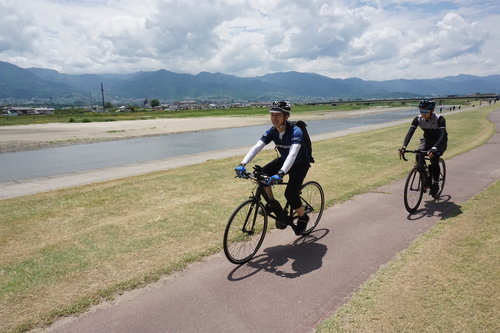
(402, 156)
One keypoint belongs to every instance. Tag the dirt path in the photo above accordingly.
(293, 283)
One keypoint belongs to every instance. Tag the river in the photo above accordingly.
(16, 166)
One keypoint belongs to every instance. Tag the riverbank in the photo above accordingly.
(37, 136)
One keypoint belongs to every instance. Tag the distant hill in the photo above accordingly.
(456, 85)
(173, 86)
(31, 83)
(16, 82)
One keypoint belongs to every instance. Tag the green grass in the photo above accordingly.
(80, 116)
(62, 251)
(447, 281)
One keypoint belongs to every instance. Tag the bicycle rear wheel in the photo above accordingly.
(414, 190)
(313, 199)
(245, 231)
(442, 177)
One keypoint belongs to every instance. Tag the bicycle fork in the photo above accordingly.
(249, 225)
(253, 212)
(417, 183)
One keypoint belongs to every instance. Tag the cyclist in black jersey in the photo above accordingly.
(293, 160)
(435, 138)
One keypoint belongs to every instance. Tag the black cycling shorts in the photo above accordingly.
(296, 176)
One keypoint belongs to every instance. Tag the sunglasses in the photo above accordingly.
(424, 111)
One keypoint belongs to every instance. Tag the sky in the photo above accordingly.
(367, 39)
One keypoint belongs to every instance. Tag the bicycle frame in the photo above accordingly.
(259, 192)
(421, 164)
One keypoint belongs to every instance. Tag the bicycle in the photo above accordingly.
(247, 225)
(419, 180)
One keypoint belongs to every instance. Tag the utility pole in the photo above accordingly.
(102, 92)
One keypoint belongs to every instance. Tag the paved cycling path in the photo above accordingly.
(293, 283)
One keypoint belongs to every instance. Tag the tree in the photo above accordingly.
(155, 102)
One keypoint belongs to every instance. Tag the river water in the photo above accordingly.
(16, 166)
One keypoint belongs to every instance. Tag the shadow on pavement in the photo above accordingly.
(443, 208)
(290, 261)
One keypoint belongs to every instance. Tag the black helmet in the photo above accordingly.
(281, 106)
(427, 104)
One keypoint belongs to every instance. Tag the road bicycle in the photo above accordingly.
(247, 225)
(419, 180)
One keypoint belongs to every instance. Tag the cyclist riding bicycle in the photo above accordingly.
(435, 138)
(293, 160)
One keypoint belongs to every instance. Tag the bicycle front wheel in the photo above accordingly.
(414, 190)
(245, 231)
(313, 199)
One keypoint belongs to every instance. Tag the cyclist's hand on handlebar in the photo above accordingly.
(432, 152)
(402, 151)
(240, 171)
(276, 179)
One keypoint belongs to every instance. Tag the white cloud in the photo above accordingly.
(457, 37)
(17, 32)
(367, 39)
(193, 32)
(316, 30)
(375, 45)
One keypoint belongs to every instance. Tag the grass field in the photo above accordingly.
(63, 251)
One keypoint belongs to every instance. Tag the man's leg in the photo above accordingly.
(421, 146)
(270, 169)
(435, 170)
(297, 175)
(300, 211)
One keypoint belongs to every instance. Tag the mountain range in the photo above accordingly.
(18, 84)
